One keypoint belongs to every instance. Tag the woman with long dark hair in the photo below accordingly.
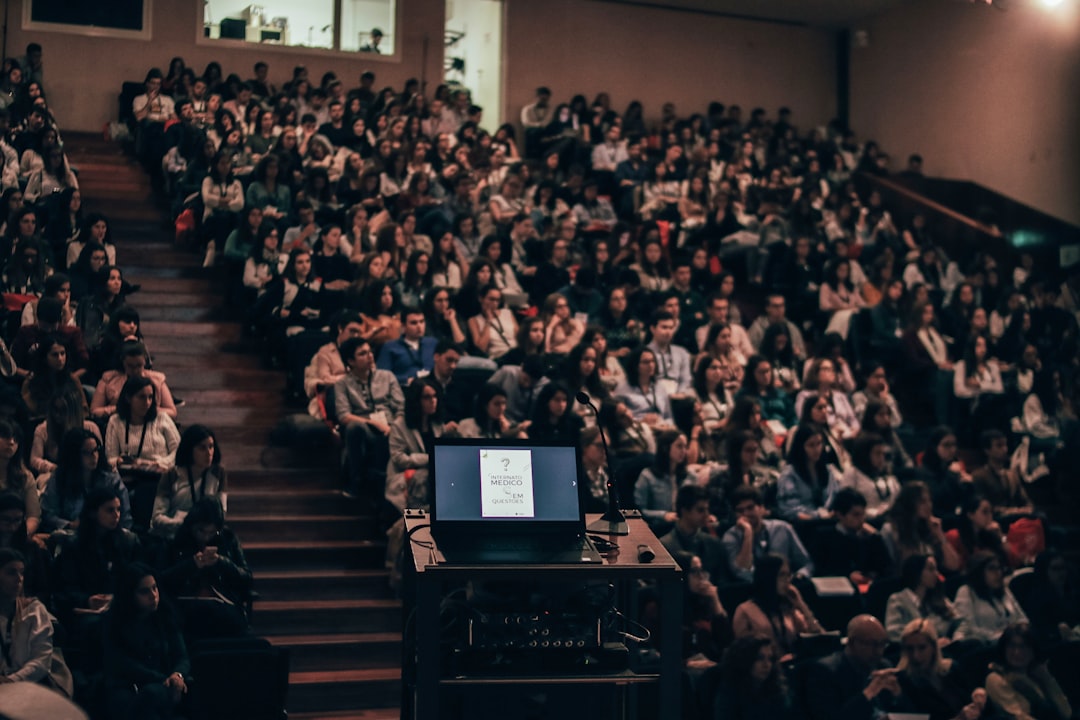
(976, 530)
(647, 399)
(553, 416)
(806, 485)
(776, 608)
(50, 376)
(752, 685)
(87, 569)
(912, 529)
(15, 477)
(81, 469)
(581, 373)
(943, 472)
(655, 489)
(1020, 683)
(146, 660)
(411, 437)
(760, 383)
(922, 598)
(197, 474)
(138, 436)
(871, 475)
(489, 417)
(985, 605)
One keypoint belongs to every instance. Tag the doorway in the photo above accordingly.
(473, 54)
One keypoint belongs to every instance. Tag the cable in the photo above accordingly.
(422, 543)
(627, 635)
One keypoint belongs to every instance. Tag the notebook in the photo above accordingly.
(508, 502)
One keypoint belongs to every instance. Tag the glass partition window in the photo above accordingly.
(344, 25)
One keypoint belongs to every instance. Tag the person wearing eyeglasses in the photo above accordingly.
(82, 467)
(855, 683)
(985, 605)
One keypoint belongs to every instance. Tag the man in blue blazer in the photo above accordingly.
(412, 354)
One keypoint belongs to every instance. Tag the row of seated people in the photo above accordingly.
(93, 623)
(461, 264)
(918, 618)
(90, 481)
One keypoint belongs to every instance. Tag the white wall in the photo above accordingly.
(981, 94)
(481, 21)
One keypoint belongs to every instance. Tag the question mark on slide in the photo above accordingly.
(506, 463)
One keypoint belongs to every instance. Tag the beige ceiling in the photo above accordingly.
(817, 13)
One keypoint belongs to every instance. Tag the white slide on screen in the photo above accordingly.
(506, 483)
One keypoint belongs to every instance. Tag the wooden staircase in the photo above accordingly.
(318, 564)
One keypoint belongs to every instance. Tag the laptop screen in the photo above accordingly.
(494, 481)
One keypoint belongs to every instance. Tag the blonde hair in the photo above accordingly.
(923, 626)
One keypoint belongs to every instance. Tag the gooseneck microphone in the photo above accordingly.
(612, 522)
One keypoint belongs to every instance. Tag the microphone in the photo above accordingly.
(611, 522)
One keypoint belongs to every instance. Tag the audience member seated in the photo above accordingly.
(326, 367)
(752, 685)
(26, 631)
(15, 478)
(856, 683)
(30, 337)
(912, 529)
(776, 608)
(930, 683)
(1053, 600)
(1020, 684)
(82, 468)
(138, 437)
(806, 485)
(822, 384)
(976, 530)
(206, 574)
(997, 482)
(411, 434)
(197, 474)
(870, 474)
(132, 361)
(985, 605)
(489, 419)
(367, 400)
(88, 567)
(674, 372)
(146, 660)
(851, 548)
(878, 418)
(553, 416)
(657, 486)
(413, 353)
(50, 378)
(642, 393)
(923, 598)
(37, 572)
(690, 533)
(494, 330)
(754, 536)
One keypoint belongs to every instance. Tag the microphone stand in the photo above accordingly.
(611, 522)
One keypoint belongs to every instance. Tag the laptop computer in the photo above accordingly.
(508, 502)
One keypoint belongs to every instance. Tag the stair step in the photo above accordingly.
(265, 556)
(340, 651)
(169, 360)
(183, 314)
(293, 527)
(329, 584)
(318, 502)
(152, 297)
(335, 691)
(242, 379)
(298, 617)
(393, 713)
(222, 416)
